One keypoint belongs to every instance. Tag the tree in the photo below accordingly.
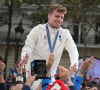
(10, 4)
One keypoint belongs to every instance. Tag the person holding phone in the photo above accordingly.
(50, 38)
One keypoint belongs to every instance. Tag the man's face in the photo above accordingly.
(55, 19)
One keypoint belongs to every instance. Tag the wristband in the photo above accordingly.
(80, 71)
(2, 73)
(19, 82)
(48, 71)
(19, 78)
(19, 74)
(65, 81)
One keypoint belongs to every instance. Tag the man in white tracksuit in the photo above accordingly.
(37, 45)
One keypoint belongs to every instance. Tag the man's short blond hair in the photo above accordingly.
(58, 8)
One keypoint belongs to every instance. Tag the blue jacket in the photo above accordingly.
(77, 82)
(25, 87)
(2, 86)
(45, 83)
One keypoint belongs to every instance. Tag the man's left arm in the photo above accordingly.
(71, 47)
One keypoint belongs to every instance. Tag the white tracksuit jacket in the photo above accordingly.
(37, 47)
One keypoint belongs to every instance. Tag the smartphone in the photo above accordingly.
(38, 67)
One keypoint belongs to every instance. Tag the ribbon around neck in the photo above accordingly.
(51, 47)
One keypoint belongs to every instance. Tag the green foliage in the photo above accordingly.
(77, 8)
(29, 1)
(82, 3)
(6, 2)
(16, 3)
(92, 3)
(39, 17)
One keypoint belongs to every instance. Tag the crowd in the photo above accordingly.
(64, 82)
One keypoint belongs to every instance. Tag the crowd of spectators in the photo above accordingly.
(63, 78)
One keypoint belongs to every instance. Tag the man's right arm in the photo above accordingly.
(30, 42)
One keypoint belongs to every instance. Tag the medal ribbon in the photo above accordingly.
(51, 47)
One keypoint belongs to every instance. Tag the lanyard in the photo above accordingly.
(49, 40)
